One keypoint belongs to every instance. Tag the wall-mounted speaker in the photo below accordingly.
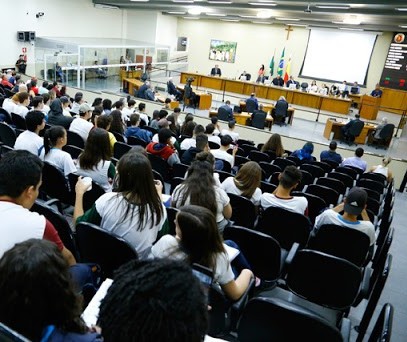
(25, 36)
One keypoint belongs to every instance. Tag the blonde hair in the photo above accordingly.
(386, 161)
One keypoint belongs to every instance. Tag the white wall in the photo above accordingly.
(256, 45)
(166, 33)
(141, 26)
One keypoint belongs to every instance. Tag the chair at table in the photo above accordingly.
(120, 149)
(285, 226)
(250, 106)
(334, 240)
(274, 319)
(244, 212)
(7, 135)
(60, 223)
(74, 139)
(223, 114)
(99, 246)
(385, 136)
(353, 132)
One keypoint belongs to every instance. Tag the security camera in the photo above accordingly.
(39, 14)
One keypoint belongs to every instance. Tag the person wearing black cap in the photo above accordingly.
(353, 206)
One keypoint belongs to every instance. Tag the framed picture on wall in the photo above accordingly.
(222, 51)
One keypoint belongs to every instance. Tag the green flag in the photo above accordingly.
(272, 66)
(280, 68)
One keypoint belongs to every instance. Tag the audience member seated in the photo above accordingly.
(331, 154)
(142, 111)
(345, 129)
(164, 148)
(174, 126)
(198, 241)
(231, 131)
(274, 145)
(187, 130)
(281, 197)
(104, 122)
(353, 206)
(78, 100)
(163, 123)
(54, 140)
(199, 188)
(38, 298)
(201, 145)
(5, 83)
(357, 160)
(215, 122)
(377, 92)
(128, 110)
(305, 153)
(209, 131)
(107, 106)
(66, 109)
(222, 153)
(188, 118)
(383, 169)
(100, 72)
(20, 180)
(94, 161)
(81, 125)
(135, 131)
(135, 212)
(10, 104)
(280, 111)
(191, 142)
(278, 81)
(154, 121)
(43, 89)
(117, 124)
(164, 290)
(18, 105)
(30, 140)
(343, 89)
(56, 115)
(246, 183)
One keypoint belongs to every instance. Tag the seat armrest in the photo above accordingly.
(291, 254)
(364, 287)
(345, 329)
(55, 202)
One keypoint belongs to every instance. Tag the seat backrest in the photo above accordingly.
(304, 86)
(343, 177)
(7, 135)
(175, 181)
(315, 204)
(180, 170)
(269, 169)
(383, 326)
(120, 149)
(356, 128)
(75, 139)
(387, 131)
(315, 170)
(89, 197)
(223, 114)
(18, 121)
(136, 141)
(274, 319)
(243, 211)
(160, 165)
(378, 177)
(119, 137)
(283, 162)
(285, 226)
(74, 151)
(306, 179)
(324, 279)
(322, 164)
(261, 251)
(223, 175)
(258, 156)
(99, 246)
(9, 335)
(267, 187)
(54, 184)
(334, 240)
(60, 223)
(213, 145)
(171, 214)
(348, 171)
(332, 183)
(371, 184)
(259, 120)
(330, 196)
(248, 148)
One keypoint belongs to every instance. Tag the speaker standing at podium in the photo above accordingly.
(216, 71)
(377, 92)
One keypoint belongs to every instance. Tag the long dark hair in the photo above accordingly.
(136, 184)
(51, 136)
(274, 144)
(97, 148)
(200, 237)
(188, 118)
(199, 186)
(36, 290)
(117, 122)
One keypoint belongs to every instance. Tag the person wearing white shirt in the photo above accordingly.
(23, 101)
(141, 111)
(222, 153)
(230, 131)
(313, 88)
(81, 125)
(209, 131)
(10, 105)
(191, 142)
(66, 110)
(43, 89)
(30, 140)
(127, 111)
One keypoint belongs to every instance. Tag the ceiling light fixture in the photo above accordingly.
(333, 7)
(184, 1)
(195, 10)
(403, 26)
(297, 25)
(216, 14)
(288, 19)
(264, 14)
(350, 29)
(179, 13)
(401, 9)
(231, 20)
(139, 0)
(262, 4)
(220, 2)
(248, 16)
(261, 22)
(191, 17)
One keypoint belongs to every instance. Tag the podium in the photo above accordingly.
(369, 107)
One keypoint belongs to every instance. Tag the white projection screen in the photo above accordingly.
(338, 55)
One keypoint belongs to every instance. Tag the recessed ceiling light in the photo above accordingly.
(402, 9)
(231, 20)
(248, 16)
(350, 29)
(261, 22)
(333, 7)
(264, 14)
(262, 4)
(297, 25)
(181, 13)
(184, 1)
(288, 19)
(220, 2)
(195, 10)
(403, 26)
(139, 0)
(191, 17)
(216, 14)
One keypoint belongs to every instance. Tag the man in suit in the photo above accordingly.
(278, 81)
(252, 102)
(172, 89)
(280, 110)
(291, 81)
(228, 108)
(260, 113)
(216, 71)
(345, 129)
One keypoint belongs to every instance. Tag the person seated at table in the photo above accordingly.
(280, 111)
(216, 71)
(259, 111)
(291, 81)
(334, 90)
(313, 88)
(278, 81)
(331, 154)
(252, 102)
(379, 128)
(59, 72)
(355, 89)
(324, 90)
(100, 72)
(305, 153)
(244, 76)
(149, 93)
(260, 77)
(377, 92)
(201, 145)
(345, 129)
(164, 147)
(231, 131)
(281, 197)
(228, 108)
(140, 93)
(344, 89)
(172, 89)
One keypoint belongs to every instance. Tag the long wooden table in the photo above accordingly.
(270, 92)
(241, 118)
(204, 99)
(334, 126)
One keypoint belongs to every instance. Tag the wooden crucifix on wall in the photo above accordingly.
(288, 29)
